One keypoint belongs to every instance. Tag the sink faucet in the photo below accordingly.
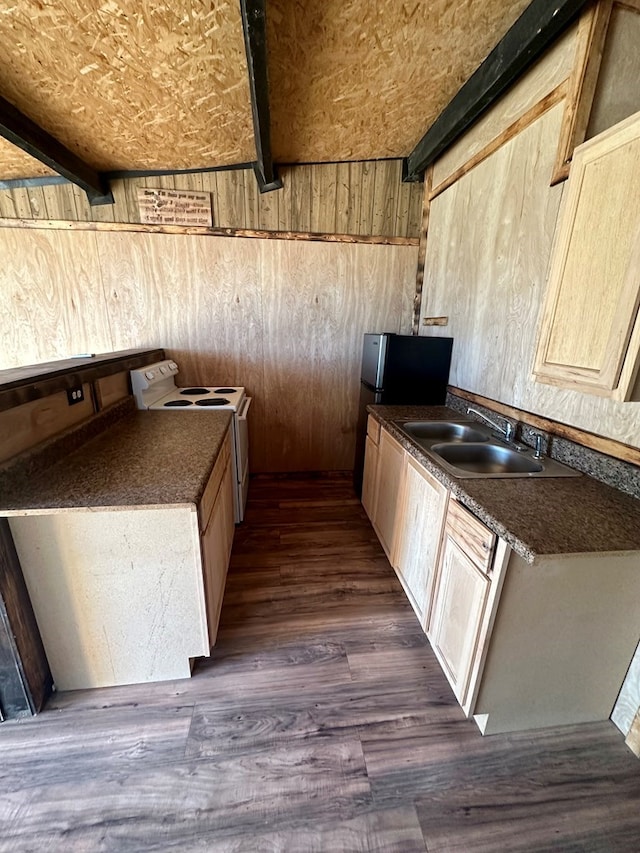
(507, 430)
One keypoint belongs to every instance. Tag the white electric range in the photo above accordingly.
(154, 387)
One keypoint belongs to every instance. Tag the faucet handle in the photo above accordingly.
(509, 431)
(538, 452)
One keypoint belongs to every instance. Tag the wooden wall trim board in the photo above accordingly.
(592, 32)
(422, 250)
(123, 227)
(532, 114)
(609, 446)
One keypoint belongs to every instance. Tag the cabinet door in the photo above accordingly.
(369, 477)
(216, 549)
(456, 619)
(420, 522)
(388, 480)
(590, 332)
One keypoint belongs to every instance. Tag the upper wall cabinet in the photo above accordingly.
(590, 331)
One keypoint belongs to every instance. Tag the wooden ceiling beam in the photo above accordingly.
(254, 25)
(538, 26)
(21, 131)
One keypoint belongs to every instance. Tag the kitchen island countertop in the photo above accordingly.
(143, 459)
(536, 517)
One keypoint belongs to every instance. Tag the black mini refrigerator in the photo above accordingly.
(399, 370)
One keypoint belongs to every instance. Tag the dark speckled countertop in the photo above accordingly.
(144, 459)
(536, 517)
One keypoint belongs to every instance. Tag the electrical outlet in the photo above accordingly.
(75, 395)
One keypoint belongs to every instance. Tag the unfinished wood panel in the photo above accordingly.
(162, 87)
(328, 198)
(617, 93)
(546, 75)
(17, 164)
(579, 347)
(318, 300)
(489, 244)
(52, 300)
(199, 299)
(357, 80)
(24, 426)
(110, 389)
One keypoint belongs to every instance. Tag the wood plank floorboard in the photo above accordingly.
(321, 722)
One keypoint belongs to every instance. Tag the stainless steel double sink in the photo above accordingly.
(467, 449)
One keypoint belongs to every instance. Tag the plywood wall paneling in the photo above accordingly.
(159, 86)
(617, 93)
(52, 304)
(488, 249)
(7, 204)
(31, 423)
(415, 208)
(344, 197)
(356, 80)
(318, 301)
(229, 192)
(301, 196)
(549, 72)
(200, 298)
(324, 198)
(385, 200)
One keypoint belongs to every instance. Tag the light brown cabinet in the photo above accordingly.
(523, 644)
(421, 514)
(217, 537)
(387, 490)
(590, 331)
(458, 626)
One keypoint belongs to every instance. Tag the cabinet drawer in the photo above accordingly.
(476, 540)
(211, 489)
(373, 429)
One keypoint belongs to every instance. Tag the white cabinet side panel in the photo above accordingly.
(118, 596)
(628, 701)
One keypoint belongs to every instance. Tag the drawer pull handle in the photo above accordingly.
(486, 546)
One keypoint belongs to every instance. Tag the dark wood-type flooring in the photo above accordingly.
(322, 722)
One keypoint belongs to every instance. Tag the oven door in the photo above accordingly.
(242, 457)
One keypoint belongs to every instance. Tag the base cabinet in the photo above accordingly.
(369, 476)
(523, 645)
(216, 542)
(128, 595)
(458, 609)
(423, 504)
(387, 490)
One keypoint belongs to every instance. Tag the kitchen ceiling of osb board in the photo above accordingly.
(129, 85)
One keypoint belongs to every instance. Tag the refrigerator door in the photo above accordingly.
(374, 352)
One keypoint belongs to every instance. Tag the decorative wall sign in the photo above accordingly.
(174, 207)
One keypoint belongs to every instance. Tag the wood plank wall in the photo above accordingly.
(283, 317)
(364, 198)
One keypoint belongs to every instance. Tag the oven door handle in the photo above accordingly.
(242, 414)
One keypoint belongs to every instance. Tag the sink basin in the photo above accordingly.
(487, 459)
(448, 431)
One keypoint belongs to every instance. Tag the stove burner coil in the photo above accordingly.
(194, 392)
(224, 391)
(178, 403)
(213, 401)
